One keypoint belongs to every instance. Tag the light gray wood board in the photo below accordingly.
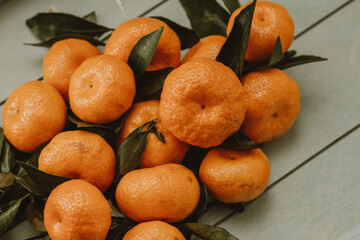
(304, 13)
(329, 91)
(20, 63)
(319, 201)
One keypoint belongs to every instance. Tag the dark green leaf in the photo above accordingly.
(118, 229)
(7, 157)
(50, 42)
(232, 53)
(1, 139)
(48, 25)
(300, 60)
(142, 53)
(6, 179)
(80, 124)
(239, 141)
(130, 152)
(34, 215)
(26, 183)
(7, 217)
(160, 136)
(151, 83)
(114, 211)
(132, 148)
(231, 5)
(44, 181)
(207, 232)
(207, 17)
(40, 237)
(188, 37)
(277, 55)
(91, 17)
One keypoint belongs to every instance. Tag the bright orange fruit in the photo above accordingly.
(273, 104)
(127, 34)
(61, 61)
(101, 89)
(77, 210)
(33, 114)
(235, 176)
(202, 102)
(169, 192)
(270, 21)
(80, 154)
(156, 152)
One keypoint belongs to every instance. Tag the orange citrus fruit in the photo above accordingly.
(127, 34)
(270, 20)
(156, 152)
(207, 47)
(33, 114)
(169, 192)
(202, 102)
(61, 61)
(273, 104)
(101, 89)
(154, 230)
(80, 154)
(77, 210)
(235, 176)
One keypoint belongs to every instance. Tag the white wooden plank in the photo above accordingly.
(330, 95)
(319, 201)
(20, 63)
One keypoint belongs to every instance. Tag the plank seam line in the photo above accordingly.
(334, 142)
(323, 19)
(153, 8)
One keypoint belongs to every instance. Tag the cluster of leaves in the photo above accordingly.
(24, 188)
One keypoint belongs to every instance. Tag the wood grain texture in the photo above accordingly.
(319, 201)
(329, 91)
(20, 63)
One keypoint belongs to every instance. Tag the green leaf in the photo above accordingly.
(48, 25)
(80, 124)
(119, 228)
(34, 215)
(207, 232)
(160, 136)
(132, 148)
(300, 60)
(232, 53)
(91, 17)
(231, 5)
(142, 53)
(207, 17)
(7, 157)
(50, 42)
(44, 181)
(26, 183)
(277, 55)
(40, 237)
(8, 216)
(6, 179)
(239, 141)
(188, 37)
(151, 83)
(114, 211)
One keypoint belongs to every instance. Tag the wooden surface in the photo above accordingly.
(314, 187)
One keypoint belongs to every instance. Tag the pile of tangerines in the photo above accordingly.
(202, 103)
